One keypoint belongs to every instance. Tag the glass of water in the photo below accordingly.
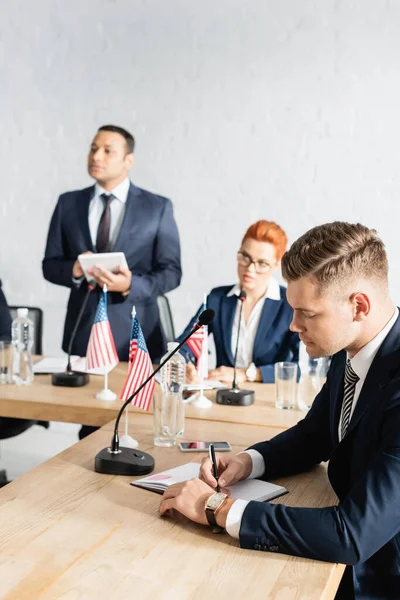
(285, 383)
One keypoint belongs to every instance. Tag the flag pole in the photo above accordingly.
(105, 393)
(126, 440)
(199, 400)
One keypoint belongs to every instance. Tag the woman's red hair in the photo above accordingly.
(270, 232)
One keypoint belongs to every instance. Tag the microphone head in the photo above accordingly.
(242, 295)
(206, 316)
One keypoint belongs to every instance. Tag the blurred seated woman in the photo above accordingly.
(265, 337)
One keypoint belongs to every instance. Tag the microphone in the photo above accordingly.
(117, 460)
(235, 396)
(70, 378)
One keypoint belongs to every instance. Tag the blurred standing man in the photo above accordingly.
(114, 215)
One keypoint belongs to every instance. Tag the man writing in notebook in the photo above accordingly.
(337, 278)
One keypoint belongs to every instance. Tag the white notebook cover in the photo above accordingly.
(249, 489)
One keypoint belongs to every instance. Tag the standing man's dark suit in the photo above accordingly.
(148, 237)
(5, 318)
(364, 470)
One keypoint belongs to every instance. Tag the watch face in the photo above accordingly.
(215, 500)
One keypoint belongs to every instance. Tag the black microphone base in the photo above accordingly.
(70, 379)
(126, 462)
(235, 397)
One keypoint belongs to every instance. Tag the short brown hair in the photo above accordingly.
(270, 232)
(335, 252)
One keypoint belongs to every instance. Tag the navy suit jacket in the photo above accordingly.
(148, 237)
(364, 470)
(5, 318)
(274, 341)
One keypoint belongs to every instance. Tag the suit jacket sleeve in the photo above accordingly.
(166, 272)
(349, 533)
(5, 318)
(268, 371)
(56, 268)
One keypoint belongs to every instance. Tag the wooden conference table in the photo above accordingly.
(42, 401)
(68, 532)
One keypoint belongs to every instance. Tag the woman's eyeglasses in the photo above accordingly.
(245, 260)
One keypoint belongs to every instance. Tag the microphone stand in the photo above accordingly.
(117, 460)
(236, 396)
(70, 378)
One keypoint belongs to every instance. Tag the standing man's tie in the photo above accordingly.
(103, 232)
(350, 382)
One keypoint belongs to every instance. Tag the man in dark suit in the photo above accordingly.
(338, 287)
(114, 215)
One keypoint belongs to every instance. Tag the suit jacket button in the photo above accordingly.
(257, 547)
(274, 548)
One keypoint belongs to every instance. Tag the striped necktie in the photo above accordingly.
(350, 382)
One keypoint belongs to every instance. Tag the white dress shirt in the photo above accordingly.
(248, 330)
(117, 209)
(360, 363)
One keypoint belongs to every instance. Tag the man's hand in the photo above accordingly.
(188, 498)
(77, 272)
(230, 470)
(115, 282)
(225, 374)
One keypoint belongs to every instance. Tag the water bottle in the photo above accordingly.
(169, 411)
(22, 343)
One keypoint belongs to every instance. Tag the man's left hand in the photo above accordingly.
(225, 374)
(115, 282)
(188, 498)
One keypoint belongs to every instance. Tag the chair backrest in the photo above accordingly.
(35, 314)
(167, 322)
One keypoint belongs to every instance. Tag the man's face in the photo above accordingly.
(325, 322)
(108, 160)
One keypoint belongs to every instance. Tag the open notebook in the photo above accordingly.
(250, 489)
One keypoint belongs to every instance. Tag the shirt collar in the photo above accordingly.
(120, 192)
(272, 292)
(362, 361)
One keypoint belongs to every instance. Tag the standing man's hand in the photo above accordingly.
(116, 282)
(77, 271)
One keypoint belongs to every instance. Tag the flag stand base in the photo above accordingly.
(125, 462)
(200, 401)
(106, 394)
(126, 441)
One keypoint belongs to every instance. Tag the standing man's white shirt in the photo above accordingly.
(117, 209)
(360, 363)
(248, 330)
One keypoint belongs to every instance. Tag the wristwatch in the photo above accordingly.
(251, 372)
(213, 505)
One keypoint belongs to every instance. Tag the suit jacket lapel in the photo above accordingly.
(228, 308)
(83, 216)
(268, 314)
(131, 216)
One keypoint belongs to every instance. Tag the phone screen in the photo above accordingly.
(204, 446)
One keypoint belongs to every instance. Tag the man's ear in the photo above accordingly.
(130, 159)
(361, 305)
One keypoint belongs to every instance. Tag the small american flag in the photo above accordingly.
(139, 369)
(101, 352)
(196, 341)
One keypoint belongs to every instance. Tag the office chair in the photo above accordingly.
(10, 427)
(167, 322)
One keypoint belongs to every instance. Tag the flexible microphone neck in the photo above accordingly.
(242, 298)
(90, 288)
(204, 319)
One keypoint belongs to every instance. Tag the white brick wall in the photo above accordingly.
(279, 109)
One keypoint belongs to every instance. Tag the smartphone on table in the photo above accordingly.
(204, 446)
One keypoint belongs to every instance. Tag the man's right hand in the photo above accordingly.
(77, 269)
(230, 470)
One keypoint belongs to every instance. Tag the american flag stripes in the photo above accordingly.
(195, 342)
(140, 368)
(101, 351)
